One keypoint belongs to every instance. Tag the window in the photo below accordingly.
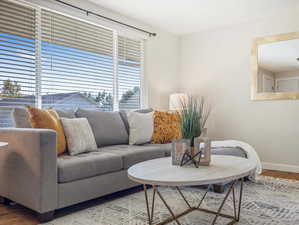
(77, 64)
(129, 73)
(17, 58)
(51, 60)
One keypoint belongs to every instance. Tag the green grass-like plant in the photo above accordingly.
(193, 117)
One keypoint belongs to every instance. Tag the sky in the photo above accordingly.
(64, 69)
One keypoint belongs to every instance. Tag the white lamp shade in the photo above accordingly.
(176, 100)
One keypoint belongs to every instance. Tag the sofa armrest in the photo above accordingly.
(28, 168)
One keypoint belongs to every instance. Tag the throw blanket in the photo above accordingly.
(251, 153)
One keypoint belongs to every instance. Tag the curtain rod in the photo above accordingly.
(106, 18)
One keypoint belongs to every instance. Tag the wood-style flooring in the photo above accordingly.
(18, 215)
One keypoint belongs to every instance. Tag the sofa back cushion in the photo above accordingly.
(21, 118)
(108, 127)
(69, 113)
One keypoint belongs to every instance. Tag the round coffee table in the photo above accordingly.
(160, 172)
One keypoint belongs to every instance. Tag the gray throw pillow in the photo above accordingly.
(124, 117)
(78, 135)
(141, 127)
(108, 127)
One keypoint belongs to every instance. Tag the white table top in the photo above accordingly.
(162, 172)
(3, 145)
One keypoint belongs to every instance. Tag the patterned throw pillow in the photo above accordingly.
(141, 127)
(79, 136)
(48, 119)
(166, 127)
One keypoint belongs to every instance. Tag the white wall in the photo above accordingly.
(161, 69)
(161, 52)
(216, 64)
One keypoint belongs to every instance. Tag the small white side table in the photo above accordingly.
(3, 145)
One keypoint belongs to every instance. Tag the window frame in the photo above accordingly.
(38, 41)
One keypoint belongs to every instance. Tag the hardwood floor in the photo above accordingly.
(279, 174)
(18, 215)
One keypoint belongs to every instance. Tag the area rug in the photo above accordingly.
(269, 201)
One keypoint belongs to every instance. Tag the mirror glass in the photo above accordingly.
(278, 67)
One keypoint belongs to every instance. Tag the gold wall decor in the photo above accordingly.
(275, 67)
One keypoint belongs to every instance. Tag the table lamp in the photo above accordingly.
(176, 100)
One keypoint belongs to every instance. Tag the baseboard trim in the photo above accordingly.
(280, 167)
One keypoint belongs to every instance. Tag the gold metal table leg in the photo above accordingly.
(174, 217)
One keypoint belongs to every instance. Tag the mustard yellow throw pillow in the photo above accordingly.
(48, 119)
(166, 127)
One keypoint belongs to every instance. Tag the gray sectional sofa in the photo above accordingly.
(32, 175)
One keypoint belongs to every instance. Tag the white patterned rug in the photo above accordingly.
(270, 201)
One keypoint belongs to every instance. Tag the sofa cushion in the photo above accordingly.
(108, 127)
(86, 165)
(70, 114)
(165, 147)
(132, 154)
(229, 151)
(21, 118)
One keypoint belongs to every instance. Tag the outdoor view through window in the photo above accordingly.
(70, 65)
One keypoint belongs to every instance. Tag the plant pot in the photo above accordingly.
(179, 148)
(203, 144)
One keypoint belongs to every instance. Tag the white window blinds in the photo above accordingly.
(77, 63)
(53, 60)
(17, 58)
(129, 73)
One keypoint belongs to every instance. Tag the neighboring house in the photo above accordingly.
(70, 101)
(59, 101)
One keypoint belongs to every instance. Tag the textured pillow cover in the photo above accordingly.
(79, 136)
(48, 119)
(166, 127)
(141, 127)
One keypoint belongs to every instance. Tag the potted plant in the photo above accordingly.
(193, 117)
(194, 114)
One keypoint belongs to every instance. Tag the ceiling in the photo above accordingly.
(279, 56)
(189, 16)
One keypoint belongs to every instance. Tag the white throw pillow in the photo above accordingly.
(79, 136)
(141, 127)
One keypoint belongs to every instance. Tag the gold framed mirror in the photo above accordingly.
(275, 67)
